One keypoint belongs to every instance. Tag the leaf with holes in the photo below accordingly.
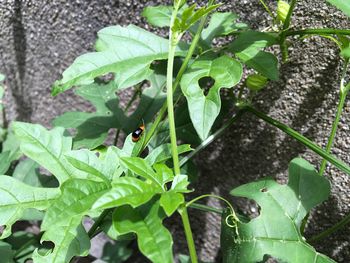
(153, 239)
(276, 231)
(70, 239)
(125, 51)
(343, 5)
(16, 197)
(45, 147)
(92, 128)
(226, 73)
(247, 47)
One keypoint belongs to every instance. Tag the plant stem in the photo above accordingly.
(182, 70)
(188, 232)
(205, 208)
(318, 31)
(331, 230)
(173, 40)
(211, 138)
(267, 8)
(286, 24)
(302, 139)
(97, 223)
(343, 92)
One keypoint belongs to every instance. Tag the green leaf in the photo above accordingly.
(180, 183)
(126, 190)
(343, 5)
(92, 128)
(117, 252)
(153, 239)
(346, 52)
(221, 24)
(16, 197)
(5, 161)
(163, 153)
(247, 47)
(6, 252)
(158, 16)
(125, 51)
(2, 77)
(18, 240)
(276, 231)
(77, 198)
(226, 72)
(70, 240)
(27, 171)
(105, 167)
(164, 173)
(170, 201)
(141, 167)
(11, 144)
(45, 147)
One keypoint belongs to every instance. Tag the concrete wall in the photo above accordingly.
(39, 39)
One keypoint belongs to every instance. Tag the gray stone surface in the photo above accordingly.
(39, 39)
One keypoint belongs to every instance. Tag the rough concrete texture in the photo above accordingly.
(39, 39)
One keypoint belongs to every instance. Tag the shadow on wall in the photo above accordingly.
(24, 107)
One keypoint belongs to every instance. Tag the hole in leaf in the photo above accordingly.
(206, 83)
(46, 248)
(263, 190)
(28, 260)
(2, 229)
(269, 259)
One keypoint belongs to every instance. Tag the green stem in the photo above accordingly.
(179, 75)
(211, 138)
(97, 223)
(206, 208)
(330, 230)
(217, 197)
(302, 139)
(267, 8)
(173, 40)
(286, 24)
(188, 232)
(343, 92)
(317, 31)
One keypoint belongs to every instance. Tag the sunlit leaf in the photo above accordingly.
(126, 190)
(45, 147)
(170, 201)
(163, 153)
(276, 231)
(125, 51)
(343, 5)
(226, 72)
(153, 239)
(16, 197)
(70, 239)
